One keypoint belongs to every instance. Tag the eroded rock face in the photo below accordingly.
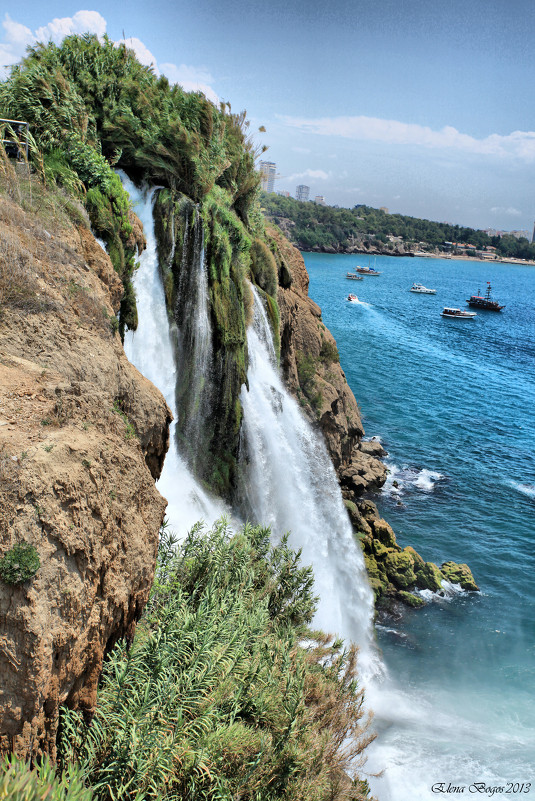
(82, 437)
(312, 371)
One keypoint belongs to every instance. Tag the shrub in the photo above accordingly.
(19, 564)
(19, 783)
(216, 698)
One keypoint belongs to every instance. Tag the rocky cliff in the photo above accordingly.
(82, 438)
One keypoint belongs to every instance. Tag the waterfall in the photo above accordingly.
(151, 350)
(290, 484)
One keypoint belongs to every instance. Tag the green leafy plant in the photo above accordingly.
(18, 782)
(19, 564)
(217, 698)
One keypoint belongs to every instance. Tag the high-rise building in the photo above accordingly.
(267, 175)
(533, 236)
(302, 192)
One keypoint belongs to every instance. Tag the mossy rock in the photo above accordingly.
(383, 532)
(428, 576)
(379, 549)
(410, 599)
(400, 569)
(357, 521)
(459, 574)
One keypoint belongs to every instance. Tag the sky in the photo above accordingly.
(425, 107)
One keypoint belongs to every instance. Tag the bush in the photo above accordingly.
(216, 698)
(19, 564)
(19, 783)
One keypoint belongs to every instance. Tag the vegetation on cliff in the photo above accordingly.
(219, 696)
(310, 226)
(93, 108)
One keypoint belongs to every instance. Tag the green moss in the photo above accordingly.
(410, 599)
(428, 576)
(459, 574)
(400, 569)
(263, 267)
(19, 564)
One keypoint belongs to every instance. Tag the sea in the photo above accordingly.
(453, 402)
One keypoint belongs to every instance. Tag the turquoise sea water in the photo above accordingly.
(454, 403)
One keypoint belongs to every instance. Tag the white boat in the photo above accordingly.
(422, 290)
(354, 277)
(458, 313)
(352, 298)
(367, 271)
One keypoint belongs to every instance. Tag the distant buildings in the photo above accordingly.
(383, 208)
(283, 193)
(302, 192)
(516, 234)
(268, 171)
(319, 200)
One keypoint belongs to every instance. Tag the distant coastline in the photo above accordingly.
(374, 251)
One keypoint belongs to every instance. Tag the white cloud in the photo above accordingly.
(81, 22)
(518, 143)
(143, 54)
(305, 150)
(318, 175)
(17, 37)
(511, 211)
(192, 79)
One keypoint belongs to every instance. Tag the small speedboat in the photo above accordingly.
(458, 313)
(354, 277)
(422, 290)
(352, 298)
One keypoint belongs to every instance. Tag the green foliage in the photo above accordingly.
(216, 699)
(327, 226)
(130, 429)
(20, 783)
(19, 564)
(329, 352)
(263, 267)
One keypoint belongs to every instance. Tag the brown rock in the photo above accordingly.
(75, 482)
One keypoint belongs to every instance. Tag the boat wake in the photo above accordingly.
(525, 489)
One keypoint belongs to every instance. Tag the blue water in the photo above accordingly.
(453, 402)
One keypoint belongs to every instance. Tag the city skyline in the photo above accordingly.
(408, 104)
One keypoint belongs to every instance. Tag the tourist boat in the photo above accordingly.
(458, 313)
(367, 271)
(352, 298)
(422, 290)
(484, 302)
(354, 277)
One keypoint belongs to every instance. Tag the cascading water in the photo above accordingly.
(195, 328)
(290, 484)
(151, 350)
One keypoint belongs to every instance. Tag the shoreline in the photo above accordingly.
(419, 254)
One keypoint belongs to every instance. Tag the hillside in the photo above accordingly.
(364, 229)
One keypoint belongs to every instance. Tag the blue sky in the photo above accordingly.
(422, 106)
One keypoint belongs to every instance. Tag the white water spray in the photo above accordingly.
(291, 486)
(150, 349)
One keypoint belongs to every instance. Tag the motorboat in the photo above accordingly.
(460, 314)
(484, 302)
(354, 277)
(422, 290)
(352, 298)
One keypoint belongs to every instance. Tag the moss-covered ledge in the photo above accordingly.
(395, 572)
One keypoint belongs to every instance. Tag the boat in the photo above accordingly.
(422, 290)
(352, 298)
(354, 277)
(458, 313)
(484, 302)
(367, 271)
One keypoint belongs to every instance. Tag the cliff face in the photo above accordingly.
(82, 437)
(311, 368)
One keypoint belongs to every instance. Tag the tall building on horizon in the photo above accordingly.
(302, 192)
(268, 170)
(533, 235)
